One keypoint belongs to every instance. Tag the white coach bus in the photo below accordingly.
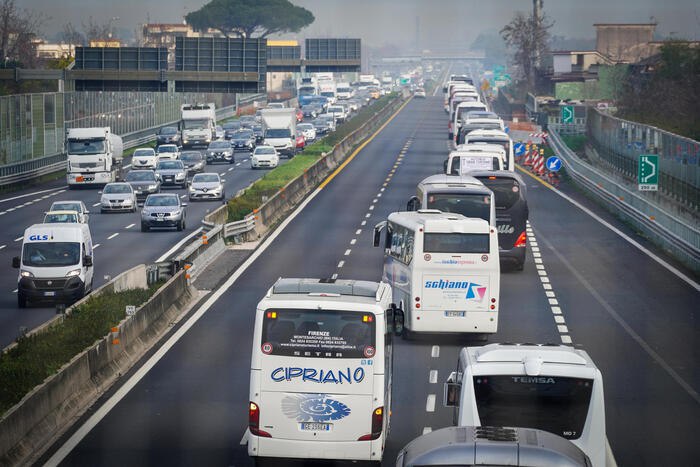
(320, 379)
(443, 269)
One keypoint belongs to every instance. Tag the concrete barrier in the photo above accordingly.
(32, 425)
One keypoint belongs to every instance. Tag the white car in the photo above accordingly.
(308, 130)
(206, 186)
(144, 158)
(119, 196)
(168, 152)
(264, 157)
(419, 92)
(72, 205)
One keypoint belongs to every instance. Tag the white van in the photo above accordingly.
(554, 388)
(459, 115)
(494, 136)
(320, 374)
(466, 159)
(55, 265)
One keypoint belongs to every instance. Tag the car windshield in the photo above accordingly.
(168, 130)
(469, 205)
(59, 206)
(86, 146)
(167, 200)
(117, 188)
(140, 176)
(48, 254)
(219, 145)
(277, 133)
(169, 165)
(205, 178)
(190, 156)
(305, 126)
(195, 124)
(265, 151)
(231, 126)
(55, 218)
(243, 134)
(165, 148)
(144, 153)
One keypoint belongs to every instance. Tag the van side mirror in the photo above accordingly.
(87, 261)
(453, 390)
(413, 204)
(16, 262)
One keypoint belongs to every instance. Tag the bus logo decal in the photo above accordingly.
(314, 408)
(474, 291)
(318, 376)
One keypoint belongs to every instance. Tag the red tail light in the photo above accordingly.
(521, 242)
(377, 424)
(254, 421)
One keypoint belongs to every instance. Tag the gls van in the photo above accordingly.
(56, 264)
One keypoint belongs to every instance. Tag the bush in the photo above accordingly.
(37, 357)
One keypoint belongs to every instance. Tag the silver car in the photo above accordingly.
(193, 160)
(72, 205)
(220, 151)
(171, 173)
(163, 210)
(118, 196)
(206, 186)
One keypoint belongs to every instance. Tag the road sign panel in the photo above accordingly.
(553, 164)
(648, 172)
(567, 114)
(519, 149)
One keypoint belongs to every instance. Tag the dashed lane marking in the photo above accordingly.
(433, 376)
(435, 351)
(353, 241)
(358, 231)
(427, 430)
(341, 264)
(18, 239)
(96, 245)
(347, 252)
(129, 226)
(112, 236)
(430, 403)
(96, 204)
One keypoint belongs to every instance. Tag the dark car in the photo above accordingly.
(322, 126)
(144, 183)
(163, 210)
(220, 151)
(243, 140)
(193, 160)
(259, 133)
(311, 110)
(247, 121)
(230, 128)
(168, 135)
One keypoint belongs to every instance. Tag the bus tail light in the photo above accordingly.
(254, 421)
(521, 242)
(377, 424)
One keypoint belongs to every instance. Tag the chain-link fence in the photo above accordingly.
(33, 125)
(620, 142)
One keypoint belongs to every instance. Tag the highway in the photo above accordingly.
(117, 237)
(589, 287)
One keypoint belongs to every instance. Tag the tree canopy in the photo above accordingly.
(528, 36)
(249, 17)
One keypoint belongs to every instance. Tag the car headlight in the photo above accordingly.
(25, 273)
(185, 141)
(152, 187)
(176, 213)
(180, 175)
(73, 273)
(104, 200)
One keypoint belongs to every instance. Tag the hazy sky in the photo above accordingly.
(379, 22)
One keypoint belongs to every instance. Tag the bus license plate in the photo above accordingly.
(454, 314)
(311, 426)
(50, 294)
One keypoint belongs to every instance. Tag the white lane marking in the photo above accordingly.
(127, 166)
(553, 301)
(536, 255)
(549, 294)
(433, 376)
(430, 403)
(96, 204)
(96, 245)
(2, 246)
(565, 339)
(374, 200)
(379, 195)
(371, 208)
(244, 439)
(435, 351)
(544, 279)
(223, 180)
(334, 276)
(382, 189)
(534, 248)
(628, 329)
(182, 196)
(353, 241)
(14, 291)
(538, 260)
(230, 169)
(547, 286)
(11, 209)
(358, 231)
(363, 223)
(368, 215)
(18, 239)
(237, 164)
(347, 252)
(559, 319)
(542, 273)
(34, 193)
(177, 245)
(341, 264)
(112, 236)
(539, 266)
(427, 430)
(632, 242)
(556, 310)
(563, 329)
(129, 226)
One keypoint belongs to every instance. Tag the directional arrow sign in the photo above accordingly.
(519, 149)
(553, 164)
(648, 172)
(567, 114)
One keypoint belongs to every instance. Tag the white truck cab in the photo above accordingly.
(56, 263)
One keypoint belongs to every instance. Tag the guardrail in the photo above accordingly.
(670, 232)
(11, 174)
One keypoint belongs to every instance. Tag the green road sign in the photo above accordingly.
(648, 172)
(567, 114)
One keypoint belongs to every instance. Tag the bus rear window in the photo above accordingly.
(505, 190)
(469, 205)
(455, 243)
(555, 404)
(319, 334)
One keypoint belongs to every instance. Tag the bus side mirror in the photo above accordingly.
(87, 261)
(395, 320)
(378, 233)
(15, 262)
(413, 204)
(453, 390)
